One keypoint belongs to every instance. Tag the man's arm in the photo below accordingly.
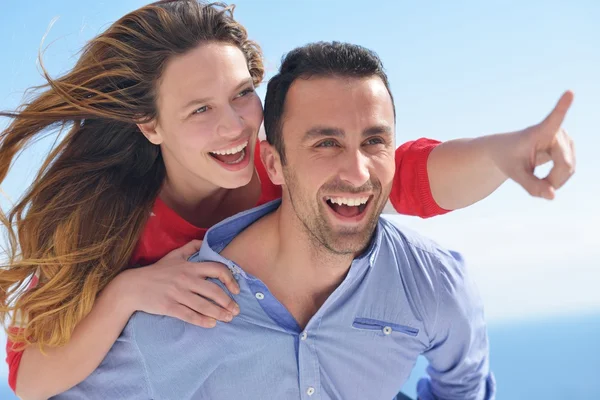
(459, 351)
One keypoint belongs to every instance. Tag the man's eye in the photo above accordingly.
(201, 110)
(374, 141)
(327, 143)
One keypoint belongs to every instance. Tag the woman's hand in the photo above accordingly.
(517, 154)
(178, 288)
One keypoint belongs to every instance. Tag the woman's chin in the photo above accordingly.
(237, 179)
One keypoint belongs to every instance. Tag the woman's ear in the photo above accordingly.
(150, 131)
(272, 162)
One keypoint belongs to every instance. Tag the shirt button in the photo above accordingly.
(387, 330)
(310, 391)
(259, 295)
(303, 336)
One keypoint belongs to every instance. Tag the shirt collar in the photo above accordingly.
(221, 234)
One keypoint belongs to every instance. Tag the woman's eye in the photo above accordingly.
(201, 110)
(327, 143)
(245, 92)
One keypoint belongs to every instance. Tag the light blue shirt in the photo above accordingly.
(405, 296)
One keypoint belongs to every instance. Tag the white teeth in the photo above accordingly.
(239, 159)
(232, 150)
(348, 201)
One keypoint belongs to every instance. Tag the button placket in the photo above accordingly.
(308, 365)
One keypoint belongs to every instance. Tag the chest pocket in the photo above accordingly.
(383, 327)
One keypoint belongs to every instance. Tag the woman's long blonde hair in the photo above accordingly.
(77, 225)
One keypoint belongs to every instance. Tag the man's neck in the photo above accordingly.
(297, 269)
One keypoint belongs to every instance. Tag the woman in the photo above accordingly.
(162, 123)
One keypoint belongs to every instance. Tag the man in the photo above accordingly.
(336, 302)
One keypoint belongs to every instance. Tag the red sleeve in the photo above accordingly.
(13, 359)
(411, 192)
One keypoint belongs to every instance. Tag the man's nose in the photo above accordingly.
(355, 168)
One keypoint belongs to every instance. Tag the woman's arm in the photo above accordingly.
(411, 192)
(461, 172)
(432, 178)
(178, 288)
(43, 375)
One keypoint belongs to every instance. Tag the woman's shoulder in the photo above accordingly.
(164, 232)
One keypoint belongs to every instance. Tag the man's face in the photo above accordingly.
(338, 137)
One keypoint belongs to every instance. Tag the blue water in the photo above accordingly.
(535, 360)
(549, 359)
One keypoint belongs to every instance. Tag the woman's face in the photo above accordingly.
(208, 117)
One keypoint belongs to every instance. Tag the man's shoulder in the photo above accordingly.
(427, 273)
(435, 277)
(144, 326)
(429, 264)
(407, 239)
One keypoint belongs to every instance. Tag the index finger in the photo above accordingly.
(210, 269)
(556, 117)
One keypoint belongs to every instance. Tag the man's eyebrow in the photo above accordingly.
(323, 131)
(378, 130)
(245, 82)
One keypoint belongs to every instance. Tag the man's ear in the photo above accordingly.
(150, 131)
(272, 162)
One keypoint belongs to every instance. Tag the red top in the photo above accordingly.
(166, 230)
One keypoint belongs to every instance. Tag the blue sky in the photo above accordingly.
(457, 69)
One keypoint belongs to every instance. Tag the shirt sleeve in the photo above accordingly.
(121, 375)
(411, 191)
(458, 354)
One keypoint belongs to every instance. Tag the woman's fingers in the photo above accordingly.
(209, 269)
(188, 315)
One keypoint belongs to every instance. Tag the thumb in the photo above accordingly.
(533, 185)
(556, 117)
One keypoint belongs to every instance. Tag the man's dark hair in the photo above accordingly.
(321, 59)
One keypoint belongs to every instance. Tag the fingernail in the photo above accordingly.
(236, 309)
(236, 289)
(228, 317)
